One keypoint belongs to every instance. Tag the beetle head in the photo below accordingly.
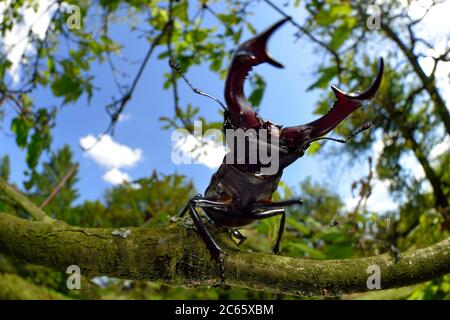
(293, 140)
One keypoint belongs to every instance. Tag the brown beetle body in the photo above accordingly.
(242, 190)
(239, 193)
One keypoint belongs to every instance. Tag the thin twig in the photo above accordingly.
(59, 186)
(112, 108)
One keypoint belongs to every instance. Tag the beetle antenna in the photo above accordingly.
(367, 126)
(176, 67)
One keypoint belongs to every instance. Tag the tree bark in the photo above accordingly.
(175, 255)
(427, 82)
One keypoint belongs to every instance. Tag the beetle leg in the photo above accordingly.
(268, 214)
(394, 251)
(212, 246)
(279, 204)
(276, 248)
(204, 233)
(238, 236)
(205, 203)
(184, 211)
(389, 247)
(199, 201)
(197, 196)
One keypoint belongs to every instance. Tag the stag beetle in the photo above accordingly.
(239, 194)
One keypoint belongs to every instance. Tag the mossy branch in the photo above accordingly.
(176, 255)
(24, 202)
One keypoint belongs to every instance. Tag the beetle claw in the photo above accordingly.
(248, 55)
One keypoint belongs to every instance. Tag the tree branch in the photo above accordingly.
(24, 202)
(176, 255)
(116, 107)
(427, 82)
(59, 186)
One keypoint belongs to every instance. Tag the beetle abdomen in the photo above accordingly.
(244, 188)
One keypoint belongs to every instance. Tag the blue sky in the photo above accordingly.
(285, 101)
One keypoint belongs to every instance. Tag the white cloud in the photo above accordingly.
(115, 176)
(15, 42)
(110, 154)
(208, 153)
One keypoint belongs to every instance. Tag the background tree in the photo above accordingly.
(407, 94)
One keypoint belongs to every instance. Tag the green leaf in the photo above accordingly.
(251, 29)
(51, 65)
(35, 149)
(339, 36)
(216, 63)
(259, 85)
(66, 86)
(237, 36)
(180, 10)
(340, 10)
(21, 127)
(111, 5)
(324, 80)
(324, 18)
(214, 125)
(333, 235)
(4, 65)
(298, 226)
(312, 150)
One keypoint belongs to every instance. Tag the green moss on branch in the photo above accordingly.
(23, 201)
(176, 255)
